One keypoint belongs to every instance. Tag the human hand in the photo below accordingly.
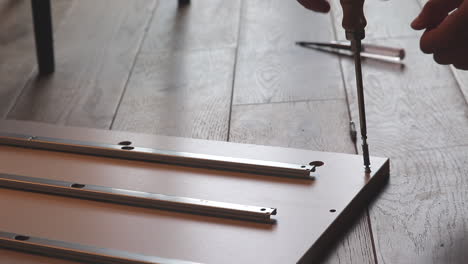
(446, 34)
(317, 5)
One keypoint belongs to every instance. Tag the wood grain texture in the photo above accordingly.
(418, 107)
(385, 19)
(278, 24)
(417, 117)
(17, 52)
(299, 74)
(271, 68)
(206, 24)
(95, 53)
(422, 217)
(315, 125)
(185, 94)
(355, 246)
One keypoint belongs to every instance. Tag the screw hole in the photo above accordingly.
(317, 163)
(332, 211)
(303, 166)
(263, 209)
(78, 186)
(21, 238)
(127, 148)
(125, 143)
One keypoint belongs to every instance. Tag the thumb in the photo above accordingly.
(447, 34)
(434, 13)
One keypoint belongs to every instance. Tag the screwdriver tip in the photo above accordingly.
(368, 169)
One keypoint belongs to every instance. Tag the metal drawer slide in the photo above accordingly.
(124, 150)
(140, 199)
(77, 252)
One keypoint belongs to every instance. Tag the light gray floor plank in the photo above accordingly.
(95, 48)
(415, 116)
(418, 107)
(315, 125)
(295, 75)
(185, 94)
(271, 68)
(278, 24)
(17, 50)
(422, 217)
(207, 24)
(182, 82)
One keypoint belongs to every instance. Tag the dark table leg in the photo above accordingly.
(43, 33)
(184, 2)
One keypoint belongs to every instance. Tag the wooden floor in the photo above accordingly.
(229, 70)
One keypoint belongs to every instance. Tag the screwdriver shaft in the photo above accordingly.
(356, 45)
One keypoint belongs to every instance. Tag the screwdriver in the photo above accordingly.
(354, 23)
(369, 51)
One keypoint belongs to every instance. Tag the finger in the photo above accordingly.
(316, 5)
(451, 56)
(461, 66)
(460, 61)
(434, 13)
(449, 33)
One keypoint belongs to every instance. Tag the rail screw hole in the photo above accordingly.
(317, 163)
(21, 238)
(78, 186)
(127, 148)
(332, 211)
(125, 143)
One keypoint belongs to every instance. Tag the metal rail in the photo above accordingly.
(124, 150)
(77, 252)
(140, 199)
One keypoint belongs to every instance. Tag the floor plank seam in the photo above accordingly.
(31, 76)
(165, 51)
(374, 249)
(293, 101)
(350, 118)
(355, 143)
(140, 45)
(239, 30)
(23, 89)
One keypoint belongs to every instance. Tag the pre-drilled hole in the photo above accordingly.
(78, 186)
(21, 238)
(332, 211)
(263, 209)
(127, 148)
(125, 143)
(317, 163)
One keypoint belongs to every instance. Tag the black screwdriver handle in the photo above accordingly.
(354, 21)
